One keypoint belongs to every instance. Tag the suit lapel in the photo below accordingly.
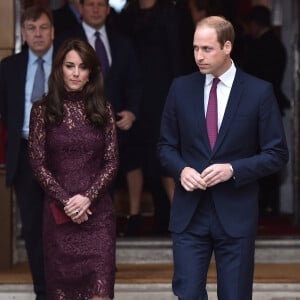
(111, 42)
(235, 97)
(21, 79)
(199, 111)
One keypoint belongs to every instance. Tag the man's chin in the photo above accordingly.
(204, 71)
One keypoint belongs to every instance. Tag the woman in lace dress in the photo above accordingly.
(73, 152)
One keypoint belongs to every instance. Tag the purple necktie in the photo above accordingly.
(212, 114)
(101, 53)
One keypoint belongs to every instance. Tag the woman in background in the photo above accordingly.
(153, 28)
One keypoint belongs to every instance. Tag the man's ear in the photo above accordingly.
(228, 47)
(23, 35)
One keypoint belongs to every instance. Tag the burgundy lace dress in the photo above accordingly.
(76, 158)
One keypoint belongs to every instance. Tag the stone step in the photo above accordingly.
(163, 292)
(159, 250)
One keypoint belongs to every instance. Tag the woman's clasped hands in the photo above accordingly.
(77, 208)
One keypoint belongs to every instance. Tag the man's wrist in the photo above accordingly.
(133, 117)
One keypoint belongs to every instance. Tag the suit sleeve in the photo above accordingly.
(272, 153)
(2, 94)
(132, 85)
(169, 141)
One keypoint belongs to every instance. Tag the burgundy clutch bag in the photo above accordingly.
(59, 215)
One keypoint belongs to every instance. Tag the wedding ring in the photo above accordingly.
(76, 212)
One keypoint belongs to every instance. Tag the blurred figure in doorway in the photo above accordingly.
(153, 27)
(266, 58)
(67, 17)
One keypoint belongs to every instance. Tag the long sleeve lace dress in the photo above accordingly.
(73, 158)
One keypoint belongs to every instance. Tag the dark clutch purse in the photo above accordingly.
(59, 215)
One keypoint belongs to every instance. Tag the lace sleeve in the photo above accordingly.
(111, 160)
(37, 156)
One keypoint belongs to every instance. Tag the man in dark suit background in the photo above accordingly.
(266, 58)
(16, 88)
(216, 165)
(68, 16)
(122, 80)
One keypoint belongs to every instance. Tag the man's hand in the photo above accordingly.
(191, 180)
(217, 173)
(126, 119)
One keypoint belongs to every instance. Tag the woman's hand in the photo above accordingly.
(77, 208)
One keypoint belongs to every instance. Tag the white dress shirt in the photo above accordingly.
(31, 69)
(90, 34)
(223, 91)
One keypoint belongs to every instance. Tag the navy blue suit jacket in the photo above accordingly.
(64, 19)
(13, 71)
(12, 100)
(251, 138)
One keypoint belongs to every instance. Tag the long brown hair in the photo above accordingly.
(93, 91)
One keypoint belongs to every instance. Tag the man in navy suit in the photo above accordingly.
(215, 205)
(66, 17)
(16, 88)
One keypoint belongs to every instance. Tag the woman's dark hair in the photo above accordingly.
(93, 91)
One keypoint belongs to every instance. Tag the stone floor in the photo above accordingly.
(158, 251)
(163, 292)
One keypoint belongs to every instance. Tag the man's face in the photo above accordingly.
(95, 12)
(209, 56)
(38, 34)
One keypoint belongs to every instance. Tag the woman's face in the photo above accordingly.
(75, 73)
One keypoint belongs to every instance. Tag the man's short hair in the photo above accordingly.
(34, 13)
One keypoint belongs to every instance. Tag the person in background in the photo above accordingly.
(68, 16)
(153, 28)
(122, 80)
(2, 142)
(17, 93)
(193, 11)
(221, 132)
(266, 58)
(74, 155)
(199, 9)
(266, 55)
